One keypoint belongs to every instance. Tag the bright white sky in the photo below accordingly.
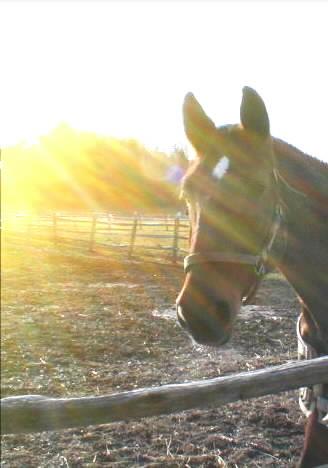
(122, 68)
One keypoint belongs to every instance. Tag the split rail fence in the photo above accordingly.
(132, 234)
(36, 413)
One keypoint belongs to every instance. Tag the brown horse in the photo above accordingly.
(254, 200)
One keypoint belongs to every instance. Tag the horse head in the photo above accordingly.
(231, 195)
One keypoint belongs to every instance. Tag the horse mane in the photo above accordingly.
(302, 172)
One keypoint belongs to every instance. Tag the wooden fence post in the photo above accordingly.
(54, 228)
(93, 232)
(133, 234)
(175, 246)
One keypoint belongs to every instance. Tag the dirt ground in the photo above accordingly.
(76, 324)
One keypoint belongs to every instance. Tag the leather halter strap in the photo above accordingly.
(257, 261)
(220, 257)
(241, 258)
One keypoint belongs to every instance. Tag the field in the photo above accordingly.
(76, 323)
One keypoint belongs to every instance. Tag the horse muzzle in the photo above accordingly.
(211, 327)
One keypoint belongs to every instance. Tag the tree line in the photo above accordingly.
(78, 171)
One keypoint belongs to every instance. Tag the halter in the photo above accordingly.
(257, 261)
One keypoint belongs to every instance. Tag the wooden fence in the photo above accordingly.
(36, 413)
(134, 234)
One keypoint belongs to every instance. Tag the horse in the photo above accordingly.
(255, 200)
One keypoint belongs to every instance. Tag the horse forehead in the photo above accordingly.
(221, 167)
(235, 154)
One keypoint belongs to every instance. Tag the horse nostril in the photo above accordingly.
(207, 325)
(222, 310)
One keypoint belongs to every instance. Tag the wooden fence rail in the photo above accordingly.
(35, 413)
(161, 233)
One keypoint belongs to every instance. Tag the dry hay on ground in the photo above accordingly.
(76, 324)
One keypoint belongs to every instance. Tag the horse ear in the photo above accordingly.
(253, 113)
(199, 128)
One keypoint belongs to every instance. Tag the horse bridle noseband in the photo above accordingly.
(257, 261)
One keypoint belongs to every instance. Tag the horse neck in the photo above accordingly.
(305, 263)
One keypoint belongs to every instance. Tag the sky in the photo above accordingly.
(122, 68)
